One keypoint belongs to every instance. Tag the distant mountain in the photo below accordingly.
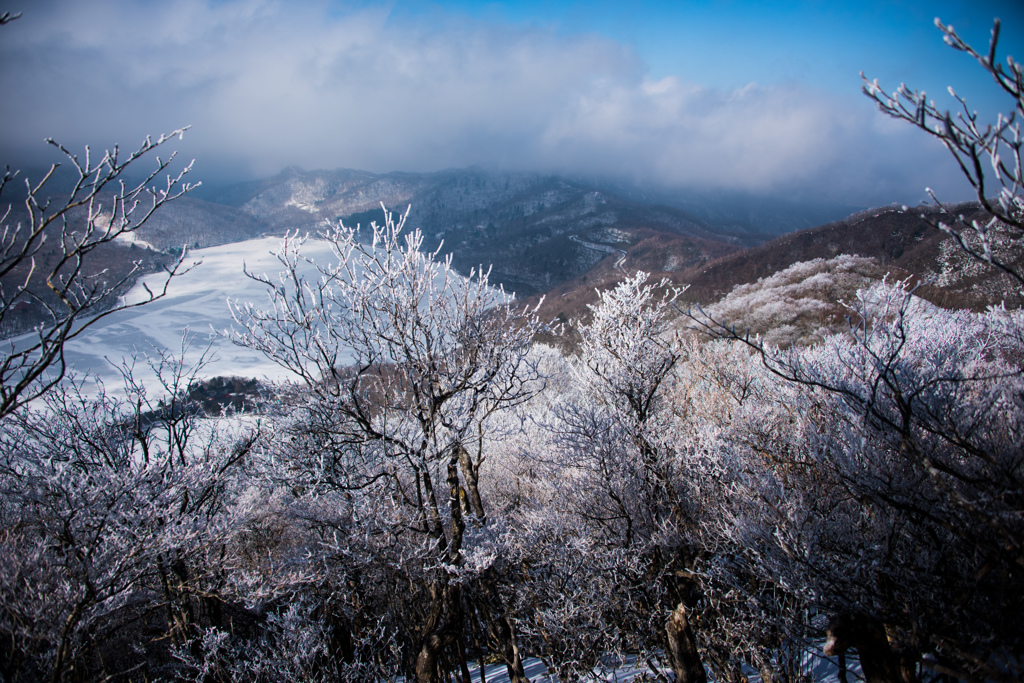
(537, 230)
(737, 211)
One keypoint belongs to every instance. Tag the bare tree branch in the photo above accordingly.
(47, 249)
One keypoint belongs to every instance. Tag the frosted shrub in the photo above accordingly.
(616, 480)
(111, 506)
(797, 305)
(892, 488)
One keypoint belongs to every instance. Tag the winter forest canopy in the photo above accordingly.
(820, 465)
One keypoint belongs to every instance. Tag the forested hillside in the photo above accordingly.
(535, 230)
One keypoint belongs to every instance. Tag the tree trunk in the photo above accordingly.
(471, 473)
(70, 624)
(504, 631)
(458, 526)
(342, 647)
(867, 636)
(444, 629)
(444, 625)
(513, 658)
(682, 648)
(463, 666)
(426, 660)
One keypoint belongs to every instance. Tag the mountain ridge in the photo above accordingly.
(900, 242)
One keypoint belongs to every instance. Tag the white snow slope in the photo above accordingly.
(196, 303)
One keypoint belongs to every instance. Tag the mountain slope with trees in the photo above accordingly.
(534, 230)
(898, 243)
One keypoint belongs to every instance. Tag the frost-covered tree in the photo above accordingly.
(111, 511)
(615, 465)
(97, 495)
(890, 502)
(404, 361)
(616, 430)
(799, 304)
(988, 155)
(744, 619)
(49, 248)
(50, 242)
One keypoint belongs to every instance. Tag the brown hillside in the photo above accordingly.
(659, 253)
(903, 244)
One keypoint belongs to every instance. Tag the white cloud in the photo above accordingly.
(267, 84)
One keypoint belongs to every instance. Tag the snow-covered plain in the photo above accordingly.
(195, 306)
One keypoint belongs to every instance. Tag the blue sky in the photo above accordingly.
(758, 97)
(729, 44)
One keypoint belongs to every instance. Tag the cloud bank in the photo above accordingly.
(268, 84)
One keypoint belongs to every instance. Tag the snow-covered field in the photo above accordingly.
(196, 305)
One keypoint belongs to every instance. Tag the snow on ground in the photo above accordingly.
(195, 307)
(819, 669)
(133, 238)
(537, 672)
(196, 302)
